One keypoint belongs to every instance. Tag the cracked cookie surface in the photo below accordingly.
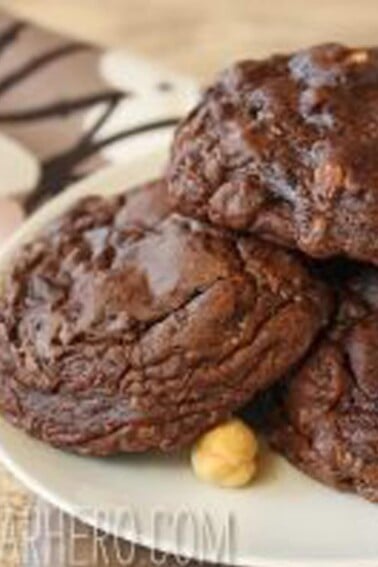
(324, 418)
(124, 327)
(287, 148)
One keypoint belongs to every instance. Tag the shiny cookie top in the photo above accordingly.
(287, 148)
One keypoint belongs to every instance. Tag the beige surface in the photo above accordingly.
(197, 37)
(200, 36)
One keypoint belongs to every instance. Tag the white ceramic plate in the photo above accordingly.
(284, 519)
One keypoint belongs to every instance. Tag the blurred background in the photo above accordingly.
(201, 36)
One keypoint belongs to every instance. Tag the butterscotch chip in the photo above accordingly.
(226, 455)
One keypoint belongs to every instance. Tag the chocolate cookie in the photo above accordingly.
(325, 417)
(287, 148)
(126, 328)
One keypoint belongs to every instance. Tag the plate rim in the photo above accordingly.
(257, 561)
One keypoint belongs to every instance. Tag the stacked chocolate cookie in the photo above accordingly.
(140, 322)
(126, 327)
(287, 149)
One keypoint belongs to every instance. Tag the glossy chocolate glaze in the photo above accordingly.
(127, 328)
(287, 148)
